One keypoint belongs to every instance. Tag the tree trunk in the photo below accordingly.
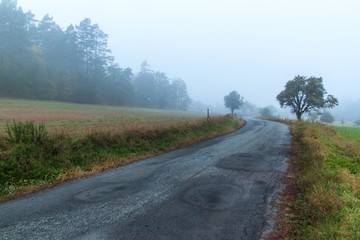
(298, 115)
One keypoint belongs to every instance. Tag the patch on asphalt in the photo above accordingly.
(245, 162)
(105, 192)
(214, 196)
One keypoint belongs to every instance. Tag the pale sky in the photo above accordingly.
(216, 46)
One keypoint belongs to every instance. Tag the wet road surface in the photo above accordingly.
(219, 189)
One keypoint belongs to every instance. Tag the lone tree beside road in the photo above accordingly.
(233, 101)
(305, 95)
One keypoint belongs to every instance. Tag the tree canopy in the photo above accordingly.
(40, 60)
(233, 101)
(305, 95)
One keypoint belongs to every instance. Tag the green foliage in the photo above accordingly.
(233, 101)
(305, 95)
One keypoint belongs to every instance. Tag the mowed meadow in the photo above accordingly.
(44, 143)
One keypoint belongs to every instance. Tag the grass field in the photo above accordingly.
(77, 118)
(350, 133)
(45, 143)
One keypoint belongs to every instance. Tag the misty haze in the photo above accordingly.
(181, 119)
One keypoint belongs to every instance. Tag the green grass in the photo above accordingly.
(350, 133)
(344, 150)
(327, 181)
(48, 142)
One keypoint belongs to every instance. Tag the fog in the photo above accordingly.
(251, 46)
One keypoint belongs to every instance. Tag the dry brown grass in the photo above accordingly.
(78, 119)
(50, 115)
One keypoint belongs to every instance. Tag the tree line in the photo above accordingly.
(40, 60)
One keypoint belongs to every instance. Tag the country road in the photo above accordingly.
(218, 189)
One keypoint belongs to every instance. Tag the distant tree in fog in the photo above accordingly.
(154, 89)
(313, 116)
(326, 117)
(17, 61)
(119, 90)
(304, 95)
(357, 122)
(233, 101)
(248, 108)
(265, 112)
(179, 94)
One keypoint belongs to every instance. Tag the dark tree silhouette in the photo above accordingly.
(304, 95)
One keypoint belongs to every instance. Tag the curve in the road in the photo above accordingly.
(219, 189)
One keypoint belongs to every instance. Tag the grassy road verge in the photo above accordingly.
(322, 199)
(35, 155)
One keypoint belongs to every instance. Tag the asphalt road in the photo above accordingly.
(219, 189)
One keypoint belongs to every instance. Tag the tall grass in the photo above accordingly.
(30, 155)
(327, 182)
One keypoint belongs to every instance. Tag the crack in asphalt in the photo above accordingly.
(219, 189)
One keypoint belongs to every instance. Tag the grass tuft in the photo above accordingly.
(28, 132)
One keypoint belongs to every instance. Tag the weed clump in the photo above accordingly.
(26, 133)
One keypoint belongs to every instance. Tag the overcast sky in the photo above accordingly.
(216, 46)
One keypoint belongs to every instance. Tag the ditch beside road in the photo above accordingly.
(219, 189)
